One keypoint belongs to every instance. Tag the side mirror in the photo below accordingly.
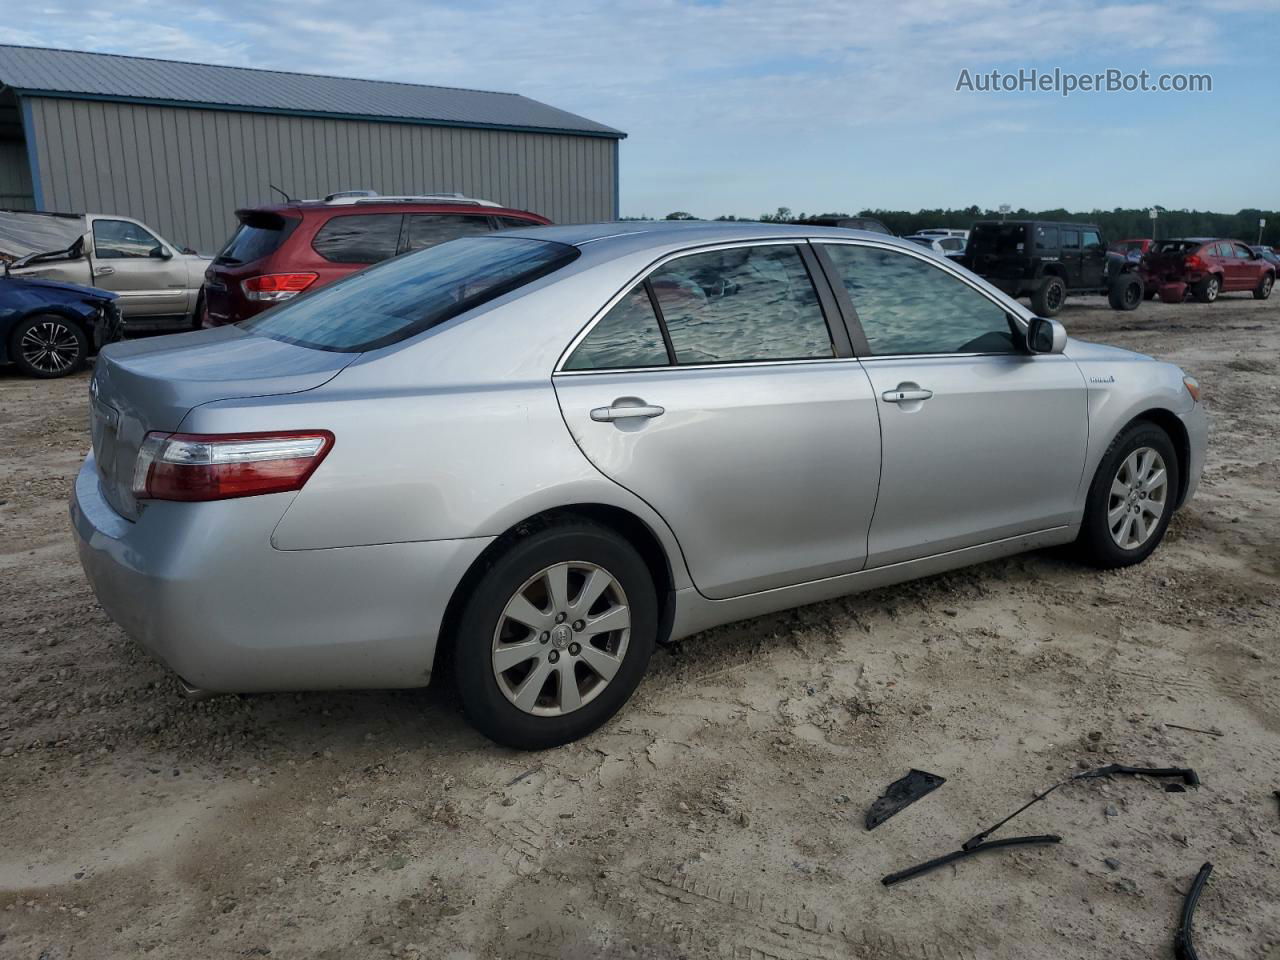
(159, 253)
(1046, 336)
(188, 252)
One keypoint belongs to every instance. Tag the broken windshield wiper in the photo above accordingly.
(1183, 948)
(979, 842)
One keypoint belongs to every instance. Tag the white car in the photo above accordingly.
(947, 246)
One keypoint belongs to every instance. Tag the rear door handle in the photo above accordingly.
(905, 396)
(103, 271)
(624, 408)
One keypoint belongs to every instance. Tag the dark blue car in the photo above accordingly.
(49, 329)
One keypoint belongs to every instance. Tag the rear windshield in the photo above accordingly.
(1175, 246)
(401, 297)
(998, 238)
(258, 236)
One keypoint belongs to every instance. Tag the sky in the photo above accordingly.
(742, 106)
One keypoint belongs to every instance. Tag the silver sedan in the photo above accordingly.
(532, 456)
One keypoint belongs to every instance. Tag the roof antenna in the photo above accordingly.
(287, 198)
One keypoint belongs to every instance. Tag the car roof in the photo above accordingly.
(1046, 223)
(388, 205)
(629, 236)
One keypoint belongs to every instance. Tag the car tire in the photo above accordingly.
(1264, 287)
(48, 346)
(1121, 525)
(197, 317)
(1126, 293)
(520, 700)
(1049, 297)
(1207, 289)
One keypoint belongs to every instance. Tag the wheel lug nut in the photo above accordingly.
(545, 637)
(561, 617)
(578, 625)
(575, 649)
(553, 656)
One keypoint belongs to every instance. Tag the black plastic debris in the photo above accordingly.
(966, 852)
(901, 794)
(979, 842)
(1183, 947)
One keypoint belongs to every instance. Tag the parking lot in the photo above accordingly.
(720, 814)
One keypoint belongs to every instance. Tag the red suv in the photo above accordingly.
(1208, 266)
(278, 252)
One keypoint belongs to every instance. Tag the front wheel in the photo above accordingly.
(556, 636)
(1263, 289)
(49, 346)
(1131, 499)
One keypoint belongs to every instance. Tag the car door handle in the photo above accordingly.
(103, 271)
(905, 396)
(625, 408)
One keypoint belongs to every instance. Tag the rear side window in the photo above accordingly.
(395, 300)
(1046, 238)
(257, 236)
(424, 230)
(360, 238)
(740, 304)
(626, 336)
(1071, 239)
(998, 238)
(906, 305)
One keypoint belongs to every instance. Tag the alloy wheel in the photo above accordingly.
(561, 638)
(50, 347)
(1139, 496)
(1054, 296)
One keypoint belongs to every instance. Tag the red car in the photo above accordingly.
(1208, 267)
(279, 251)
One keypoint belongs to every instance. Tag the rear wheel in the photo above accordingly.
(556, 636)
(1126, 292)
(1049, 297)
(48, 346)
(1207, 290)
(1131, 498)
(1263, 289)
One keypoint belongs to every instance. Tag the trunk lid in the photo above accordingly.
(144, 385)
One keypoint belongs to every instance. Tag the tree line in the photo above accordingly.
(1116, 224)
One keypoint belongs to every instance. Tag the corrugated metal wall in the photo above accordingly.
(15, 177)
(185, 171)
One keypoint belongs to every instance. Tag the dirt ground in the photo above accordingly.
(720, 814)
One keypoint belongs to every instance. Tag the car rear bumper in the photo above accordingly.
(200, 587)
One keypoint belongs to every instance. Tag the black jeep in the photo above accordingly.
(1046, 261)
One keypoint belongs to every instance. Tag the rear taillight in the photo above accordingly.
(272, 287)
(1193, 262)
(199, 466)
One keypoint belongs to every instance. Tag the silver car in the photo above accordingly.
(534, 455)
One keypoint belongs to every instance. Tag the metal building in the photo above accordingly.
(181, 145)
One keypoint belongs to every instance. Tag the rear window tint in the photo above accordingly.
(427, 229)
(255, 238)
(368, 238)
(412, 293)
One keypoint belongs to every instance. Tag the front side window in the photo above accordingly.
(907, 305)
(741, 304)
(402, 297)
(627, 336)
(120, 239)
(361, 238)
(1092, 240)
(424, 230)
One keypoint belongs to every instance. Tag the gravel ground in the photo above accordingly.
(720, 814)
